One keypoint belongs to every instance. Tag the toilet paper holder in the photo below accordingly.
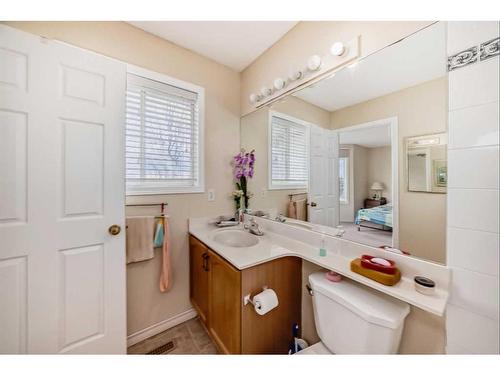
(248, 299)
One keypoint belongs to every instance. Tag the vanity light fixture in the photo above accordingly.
(279, 83)
(337, 49)
(314, 63)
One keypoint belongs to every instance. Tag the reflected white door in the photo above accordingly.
(323, 202)
(62, 275)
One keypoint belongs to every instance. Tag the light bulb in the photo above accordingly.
(314, 63)
(337, 49)
(279, 83)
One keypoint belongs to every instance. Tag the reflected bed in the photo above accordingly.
(379, 217)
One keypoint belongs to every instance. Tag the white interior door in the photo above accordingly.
(62, 275)
(323, 201)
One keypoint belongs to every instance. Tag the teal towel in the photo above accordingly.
(159, 234)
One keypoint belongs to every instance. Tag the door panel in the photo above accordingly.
(81, 296)
(13, 292)
(61, 164)
(323, 180)
(13, 158)
(83, 154)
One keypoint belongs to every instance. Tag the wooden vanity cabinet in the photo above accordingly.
(217, 294)
(198, 277)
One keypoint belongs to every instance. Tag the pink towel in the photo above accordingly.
(292, 210)
(166, 275)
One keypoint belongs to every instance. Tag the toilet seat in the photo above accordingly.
(318, 348)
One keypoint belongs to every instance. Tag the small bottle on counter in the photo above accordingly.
(322, 247)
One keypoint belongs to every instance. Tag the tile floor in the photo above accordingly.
(189, 338)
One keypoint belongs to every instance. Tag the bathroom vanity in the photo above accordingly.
(217, 290)
(224, 272)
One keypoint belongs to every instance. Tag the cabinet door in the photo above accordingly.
(198, 264)
(224, 322)
(271, 333)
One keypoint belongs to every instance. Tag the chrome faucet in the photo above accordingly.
(253, 227)
(281, 218)
(238, 215)
(340, 231)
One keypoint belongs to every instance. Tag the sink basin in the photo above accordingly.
(236, 238)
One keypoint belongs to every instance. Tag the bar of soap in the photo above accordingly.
(381, 261)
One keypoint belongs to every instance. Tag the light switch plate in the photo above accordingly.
(211, 195)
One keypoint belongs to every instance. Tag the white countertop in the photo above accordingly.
(273, 245)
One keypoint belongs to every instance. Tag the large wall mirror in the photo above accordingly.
(344, 155)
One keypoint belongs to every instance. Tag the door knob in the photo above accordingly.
(114, 229)
(313, 204)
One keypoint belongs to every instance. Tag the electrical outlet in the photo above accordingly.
(211, 195)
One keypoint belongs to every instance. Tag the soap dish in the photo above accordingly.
(380, 277)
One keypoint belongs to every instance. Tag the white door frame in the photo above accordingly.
(393, 124)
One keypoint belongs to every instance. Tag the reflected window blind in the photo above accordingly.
(289, 161)
(344, 179)
(161, 136)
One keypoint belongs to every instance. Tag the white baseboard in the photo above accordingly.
(145, 333)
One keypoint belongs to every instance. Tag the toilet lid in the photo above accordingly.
(371, 305)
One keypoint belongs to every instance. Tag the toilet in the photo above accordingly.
(353, 319)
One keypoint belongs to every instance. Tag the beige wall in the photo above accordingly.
(146, 305)
(309, 38)
(380, 169)
(421, 109)
(254, 136)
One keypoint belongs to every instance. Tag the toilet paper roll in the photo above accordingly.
(265, 301)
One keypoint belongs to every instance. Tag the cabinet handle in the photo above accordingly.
(205, 261)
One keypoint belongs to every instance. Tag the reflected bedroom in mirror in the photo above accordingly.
(361, 153)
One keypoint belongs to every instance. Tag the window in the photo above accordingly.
(288, 150)
(344, 180)
(163, 135)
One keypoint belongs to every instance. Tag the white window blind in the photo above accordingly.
(162, 137)
(289, 154)
(344, 180)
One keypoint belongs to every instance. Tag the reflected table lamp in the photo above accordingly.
(377, 188)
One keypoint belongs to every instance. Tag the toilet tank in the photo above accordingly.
(353, 319)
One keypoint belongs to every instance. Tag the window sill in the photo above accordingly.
(197, 190)
(288, 187)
